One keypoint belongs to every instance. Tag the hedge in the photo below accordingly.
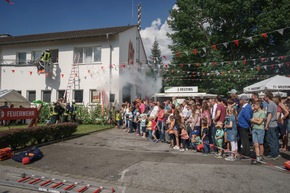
(20, 138)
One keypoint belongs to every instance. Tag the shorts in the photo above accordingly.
(171, 136)
(282, 129)
(195, 132)
(258, 136)
(143, 129)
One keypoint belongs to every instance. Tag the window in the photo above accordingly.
(78, 96)
(19, 91)
(21, 58)
(46, 96)
(35, 55)
(54, 56)
(95, 96)
(60, 94)
(31, 95)
(87, 55)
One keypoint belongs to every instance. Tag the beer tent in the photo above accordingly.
(275, 83)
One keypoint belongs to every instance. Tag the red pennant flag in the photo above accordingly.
(178, 54)
(76, 74)
(245, 61)
(262, 59)
(282, 57)
(236, 42)
(196, 64)
(11, 3)
(264, 35)
(213, 63)
(166, 65)
(258, 68)
(213, 47)
(203, 74)
(89, 71)
(30, 72)
(62, 75)
(272, 66)
(13, 71)
(194, 51)
(181, 65)
(164, 57)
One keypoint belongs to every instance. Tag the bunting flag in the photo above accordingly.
(225, 44)
(89, 71)
(236, 42)
(194, 51)
(178, 54)
(62, 75)
(213, 47)
(281, 31)
(204, 49)
(30, 72)
(164, 57)
(250, 38)
(13, 71)
(264, 35)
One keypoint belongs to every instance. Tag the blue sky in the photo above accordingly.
(40, 16)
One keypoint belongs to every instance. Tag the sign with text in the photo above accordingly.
(18, 113)
(181, 89)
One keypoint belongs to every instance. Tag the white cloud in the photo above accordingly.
(157, 30)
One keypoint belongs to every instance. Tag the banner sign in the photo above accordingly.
(18, 113)
(181, 89)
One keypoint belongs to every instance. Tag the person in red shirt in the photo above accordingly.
(160, 122)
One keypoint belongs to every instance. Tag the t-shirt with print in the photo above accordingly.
(149, 125)
(219, 133)
(222, 109)
(272, 108)
(262, 115)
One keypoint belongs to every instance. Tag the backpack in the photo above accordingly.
(34, 154)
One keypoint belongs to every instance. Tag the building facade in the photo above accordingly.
(87, 65)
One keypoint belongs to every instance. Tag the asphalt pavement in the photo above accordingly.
(132, 164)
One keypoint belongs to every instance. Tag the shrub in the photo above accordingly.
(20, 138)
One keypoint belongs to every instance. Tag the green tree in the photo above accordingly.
(215, 43)
(155, 60)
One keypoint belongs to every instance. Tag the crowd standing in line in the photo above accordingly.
(229, 128)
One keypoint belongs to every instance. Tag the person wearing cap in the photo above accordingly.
(244, 123)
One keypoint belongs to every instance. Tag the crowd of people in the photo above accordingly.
(227, 127)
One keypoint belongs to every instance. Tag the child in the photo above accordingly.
(219, 138)
(118, 119)
(154, 128)
(170, 131)
(149, 127)
(205, 137)
(183, 138)
(143, 125)
(258, 132)
(195, 140)
(232, 132)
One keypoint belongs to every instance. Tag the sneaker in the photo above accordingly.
(218, 156)
(277, 157)
(259, 159)
(154, 140)
(194, 151)
(176, 147)
(230, 159)
(181, 149)
(186, 149)
(205, 154)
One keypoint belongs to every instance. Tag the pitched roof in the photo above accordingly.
(63, 35)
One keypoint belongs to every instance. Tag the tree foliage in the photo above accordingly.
(200, 24)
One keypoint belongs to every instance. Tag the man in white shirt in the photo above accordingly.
(154, 110)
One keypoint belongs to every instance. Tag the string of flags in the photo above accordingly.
(236, 42)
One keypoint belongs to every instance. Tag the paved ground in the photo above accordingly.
(131, 164)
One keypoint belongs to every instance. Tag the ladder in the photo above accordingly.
(48, 184)
(73, 79)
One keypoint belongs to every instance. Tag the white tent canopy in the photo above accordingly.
(13, 97)
(275, 83)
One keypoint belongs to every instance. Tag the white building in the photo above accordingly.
(104, 55)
